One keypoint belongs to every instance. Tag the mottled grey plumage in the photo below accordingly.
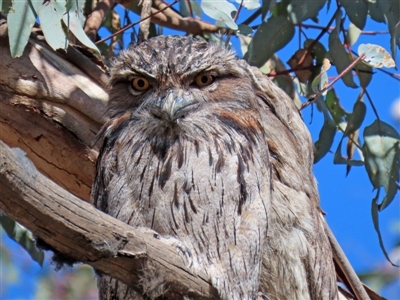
(224, 168)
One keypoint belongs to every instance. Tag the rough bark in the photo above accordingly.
(52, 110)
(108, 245)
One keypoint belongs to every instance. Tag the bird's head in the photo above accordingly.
(175, 81)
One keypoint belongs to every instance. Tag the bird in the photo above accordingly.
(204, 149)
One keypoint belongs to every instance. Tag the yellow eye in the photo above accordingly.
(140, 84)
(204, 80)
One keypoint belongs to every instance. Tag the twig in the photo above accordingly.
(344, 266)
(372, 104)
(234, 20)
(95, 19)
(133, 24)
(321, 34)
(288, 71)
(308, 26)
(252, 17)
(315, 96)
(190, 7)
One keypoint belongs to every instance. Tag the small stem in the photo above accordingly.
(133, 24)
(315, 96)
(234, 20)
(321, 34)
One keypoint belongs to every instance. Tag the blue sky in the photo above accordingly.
(346, 200)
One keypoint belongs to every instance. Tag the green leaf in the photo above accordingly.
(355, 119)
(269, 38)
(50, 15)
(23, 237)
(301, 88)
(376, 12)
(381, 152)
(302, 10)
(364, 73)
(319, 51)
(375, 219)
(20, 20)
(391, 11)
(245, 29)
(74, 20)
(221, 11)
(357, 11)
(5, 6)
(185, 11)
(336, 110)
(325, 141)
(353, 33)
(339, 55)
(376, 56)
(321, 80)
(249, 4)
(267, 5)
(340, 160)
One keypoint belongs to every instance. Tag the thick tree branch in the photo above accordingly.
(76, 229)
(168, 18)
(52, 110)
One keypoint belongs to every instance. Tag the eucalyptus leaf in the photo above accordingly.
(325, 140)
(355, 119)
(299, 10)
(74, 20)
(249, 4)
(23, 237)
(301, 88)
(244, 43)
(220, 11)
(333, 104)
(339, 55)
(375, 219)
(320, 82)
(357, 11)
(340, 160)
(5, 6)
(381, 152)
(245, 29)
(319, 50)
(375, 12)
(391, 11)
(269, 38)
(20, 20)
(353, 33)
(376, 56)
(50, 15)
(327, 134)
(267, 5)
(364, 73)
(185, 10)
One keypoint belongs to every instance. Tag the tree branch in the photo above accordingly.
(52, 110)
(76, 229)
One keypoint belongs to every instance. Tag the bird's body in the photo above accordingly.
(189, 152)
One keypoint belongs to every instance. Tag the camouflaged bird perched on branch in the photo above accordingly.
(206, 151)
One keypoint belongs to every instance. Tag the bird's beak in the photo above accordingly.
(173, 106)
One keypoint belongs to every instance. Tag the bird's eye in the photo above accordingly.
(140, 84)
(204, 80)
